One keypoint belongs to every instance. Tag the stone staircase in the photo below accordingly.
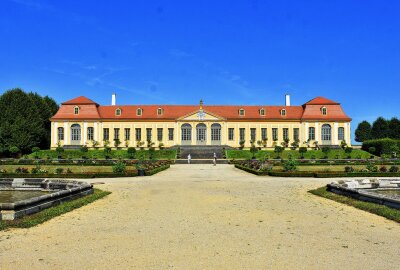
(201, 154)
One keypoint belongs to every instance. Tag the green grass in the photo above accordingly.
(47, 214)
(381, 210)
(100, 154)
(318, 154)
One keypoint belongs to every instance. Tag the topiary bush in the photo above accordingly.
(290, 166)
(394, 169)
(119, 167)
(348, 169)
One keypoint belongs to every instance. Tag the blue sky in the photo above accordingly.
(226, 52)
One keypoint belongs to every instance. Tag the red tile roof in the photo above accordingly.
(309, 111)
(321, 101)
(79, 101)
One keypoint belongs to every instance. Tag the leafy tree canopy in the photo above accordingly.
(24, 120)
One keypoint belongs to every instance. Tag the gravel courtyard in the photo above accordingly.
(205, 217)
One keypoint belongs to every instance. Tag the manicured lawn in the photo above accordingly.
(322, 168)
(317, 154)
(47, 214)
(100, 154)
(381, 210)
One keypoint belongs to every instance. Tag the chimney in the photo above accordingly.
(113, 99)
(287, 100)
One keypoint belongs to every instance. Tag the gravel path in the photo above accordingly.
(205, 217)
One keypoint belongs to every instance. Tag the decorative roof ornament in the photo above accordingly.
(201, 113)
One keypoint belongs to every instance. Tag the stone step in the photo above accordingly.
(201, 161)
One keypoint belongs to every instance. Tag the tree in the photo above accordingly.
(20, 121)
(363, 131)
(394, 128)
(24, 120)
(380, 128)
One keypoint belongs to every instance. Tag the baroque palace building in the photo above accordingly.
(81, 121)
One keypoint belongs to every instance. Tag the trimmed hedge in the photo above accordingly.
(156, 170)
(382, 146)
(295, 154)
(244, 168)
(131, 173)
(318, 174)
(100, 154)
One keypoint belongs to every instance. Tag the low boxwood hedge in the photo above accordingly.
(156, 170)
(244, 168)
(318, 174)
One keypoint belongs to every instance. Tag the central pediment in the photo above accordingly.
(201, 115)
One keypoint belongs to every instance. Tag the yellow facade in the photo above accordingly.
(208, 121)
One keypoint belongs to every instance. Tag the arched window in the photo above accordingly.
(160, 111)
(75, 134)
(241, 112)
(326, 134)
(283, 112)
(324, 111)
(118, 112)
(139, 112)
(201, 134)
(215, 133)
(262, 112)
(186, 134)
(76, 110)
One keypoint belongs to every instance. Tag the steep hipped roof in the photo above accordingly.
(79, 101)
(178, 111)
(309, 111)
(321, 101)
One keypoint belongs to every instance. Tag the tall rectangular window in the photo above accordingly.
(274, 134)
(171, 134)
(296, 134)
(106, 134)
(311, 133)
(159, 134)
(60, 133)
(148, 134)
(253, 134)
(116, 134)
(231, 134)
(127, 134)
(341, 134)
(285, 133)
(263, 134)
(242, 134)
(90, 135)
(138, 132)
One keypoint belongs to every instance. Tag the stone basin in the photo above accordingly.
(380, 191)
(19, 197)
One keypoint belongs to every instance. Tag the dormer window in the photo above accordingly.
(241, 112)
(160, 111)
(118, 112)
(324, 111)
(139, 112)
(262, 112)
(283, 112)
(76, 110)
